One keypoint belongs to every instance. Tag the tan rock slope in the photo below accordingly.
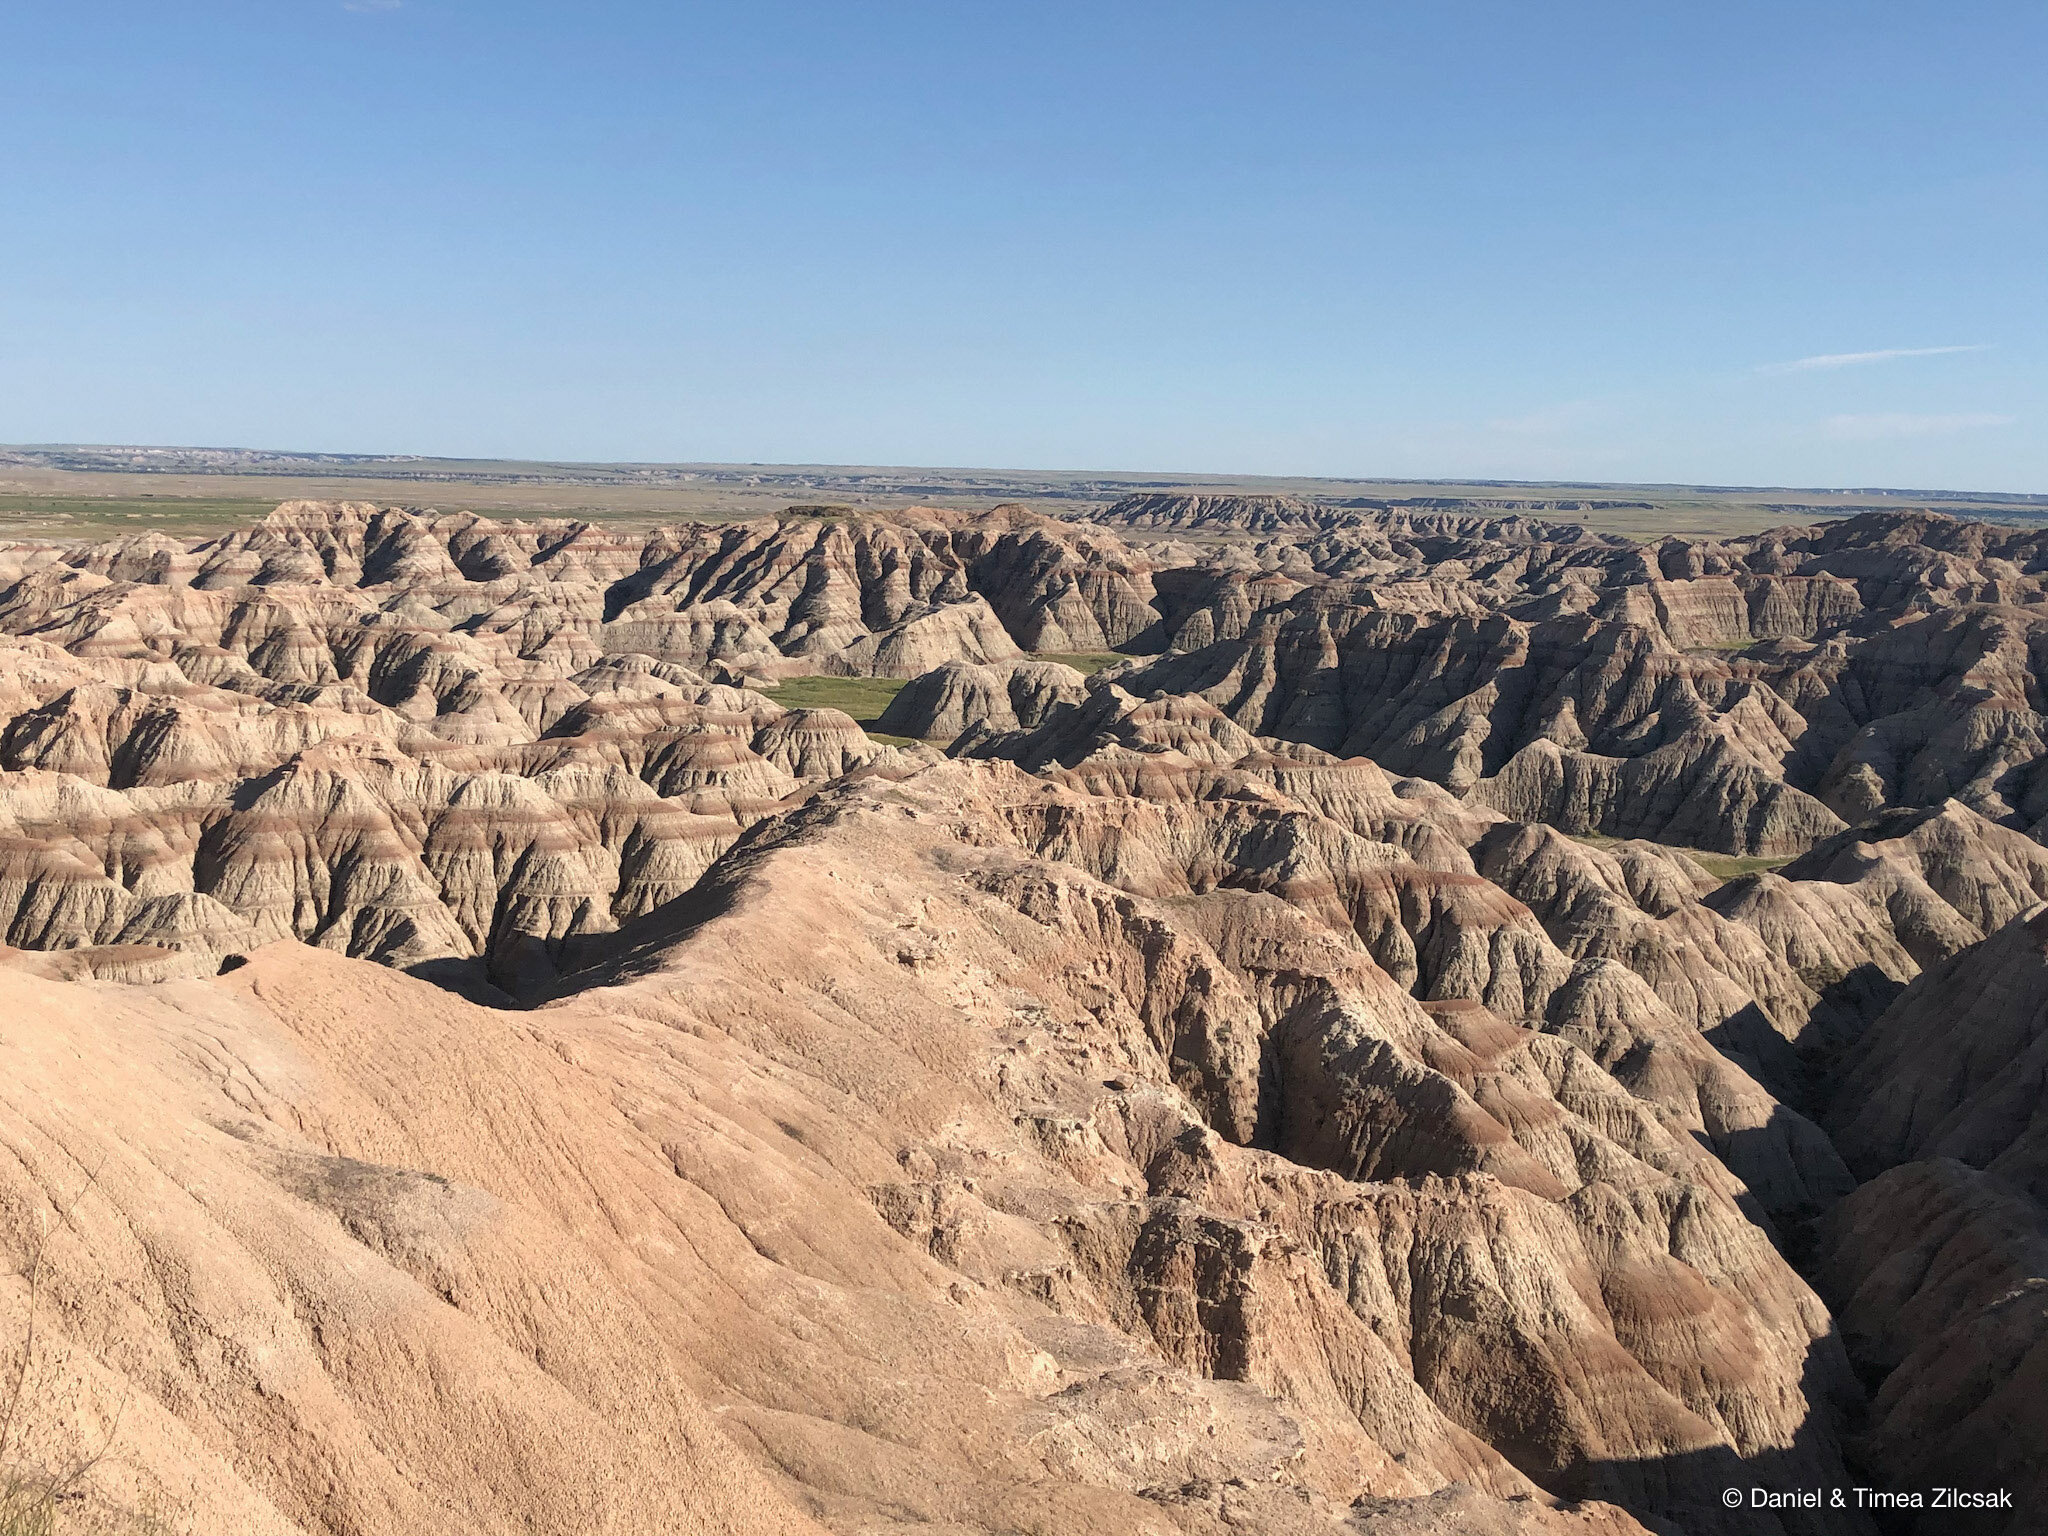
(1746, 696)
(1940, 1263)
(1221, 1098)
(944, 1116)
(1749, 696)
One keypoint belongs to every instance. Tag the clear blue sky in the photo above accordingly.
(1520, 239)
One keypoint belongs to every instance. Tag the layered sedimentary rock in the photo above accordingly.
(406, 604)
(1222, 513)
(944, 702)
(1939, 1264)
(991, 1151)
(1749, 695)
(127, 825)
(1744, 696)
(1225, 1097)
(1249, 512)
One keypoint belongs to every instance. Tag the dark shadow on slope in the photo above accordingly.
(636, 947)
(1689, 1492)
(600, 959)
(1847, 1007)
(468, 977)
(524, 971)
(1748, 1038)
(1792, 1176)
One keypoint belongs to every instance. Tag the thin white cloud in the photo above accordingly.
(1859, 359)
(371, 5)
(1891, 424)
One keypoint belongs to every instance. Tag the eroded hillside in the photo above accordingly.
(482, 1060)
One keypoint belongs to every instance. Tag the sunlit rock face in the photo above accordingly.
(1312, 1074)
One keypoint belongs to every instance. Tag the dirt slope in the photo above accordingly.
(480, 1064)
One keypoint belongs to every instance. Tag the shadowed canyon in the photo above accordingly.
(1456, 1024)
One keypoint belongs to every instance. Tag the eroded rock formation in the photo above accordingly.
(1219, 1094)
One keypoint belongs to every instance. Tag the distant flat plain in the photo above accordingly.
(73, 492)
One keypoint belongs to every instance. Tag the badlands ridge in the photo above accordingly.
(473, 1061)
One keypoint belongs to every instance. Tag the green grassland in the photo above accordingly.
(864, 698)
(188, 491)
(1084, 662)
(43, 518)
(1728, 866)
(1722, 866)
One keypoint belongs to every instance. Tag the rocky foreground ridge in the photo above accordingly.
(481, 1063)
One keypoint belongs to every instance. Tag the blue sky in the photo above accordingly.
(1783, 243)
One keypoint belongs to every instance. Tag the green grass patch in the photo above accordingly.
(1728, 866)
(1084, 662)
(1722, 866)
(1723, 645)
(864, 698)
(102, 517)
